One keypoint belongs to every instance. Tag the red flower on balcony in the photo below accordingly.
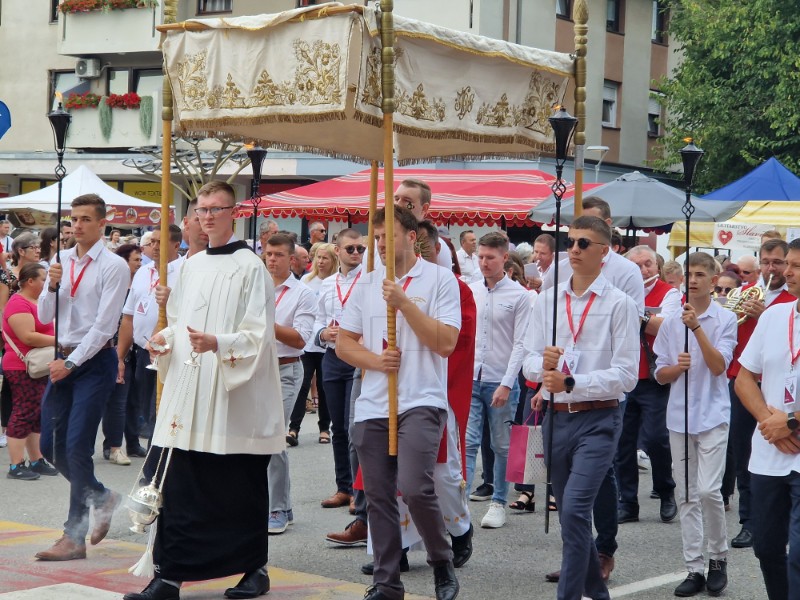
(125, 101)
(78, 6)
(85, 100)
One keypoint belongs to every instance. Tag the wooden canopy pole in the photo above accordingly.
(387, 105)
(373, 207)
(170, 16)
(581, 17)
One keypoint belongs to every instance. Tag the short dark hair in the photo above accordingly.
(773, 244)
(496, 240)
(599, 204)
(175, 234)
(703, 260)
(30, 271)
(65, 224)
(402, 215)
(794, 244)
(212, 187)
(281, 239)
(463, 234)
(430, 231)
(91, 200)
(125, 251)
(291, 234)
(546, 238)
(347, 233)
(596, 224)
(424, 189)
(733, 276)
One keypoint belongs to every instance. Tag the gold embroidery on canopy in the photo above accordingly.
(465, 99)
(417, 105)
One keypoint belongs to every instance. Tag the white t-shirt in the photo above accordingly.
(767, 354)
(141, 303)
(422, 379)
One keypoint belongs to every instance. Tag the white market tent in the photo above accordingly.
(38, 208)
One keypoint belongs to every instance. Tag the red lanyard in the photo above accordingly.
(74, 283)
(575, 334)
(158, 279)
(405, 285)
(794, 355)
(282, 294)
(339, 290)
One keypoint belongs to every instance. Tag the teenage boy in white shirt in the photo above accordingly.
(712, 339)
(772, 354)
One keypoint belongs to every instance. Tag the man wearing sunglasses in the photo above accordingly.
(623, 275)
(748, 267)
(316, 234)
(593, 364)
(337, 375)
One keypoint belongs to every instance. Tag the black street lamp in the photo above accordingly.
(563, 125)
(690, 155)
(59, 121)
(256, 154)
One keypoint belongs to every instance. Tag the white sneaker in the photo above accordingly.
(495, 517)
(118, 457)
(3, 440)
(643, 460)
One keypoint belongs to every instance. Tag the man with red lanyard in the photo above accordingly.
(646, 406)
(337, 375)
(772, 258)
(89, 305)
(773, 356)
(595, 361)
(295, 307)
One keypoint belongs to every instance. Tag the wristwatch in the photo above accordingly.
(791, 422)
(69, 365)
(569, 383)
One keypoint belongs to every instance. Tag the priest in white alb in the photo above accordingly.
(222, 417)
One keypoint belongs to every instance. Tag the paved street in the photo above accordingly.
(507, 564)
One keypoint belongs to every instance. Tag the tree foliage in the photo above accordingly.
(737, 89)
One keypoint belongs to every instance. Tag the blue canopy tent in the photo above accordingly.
(770, 181)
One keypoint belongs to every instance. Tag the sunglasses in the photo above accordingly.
(353, 249)
(321, 230)
(746, 272)
(583, 243)
(722, 290)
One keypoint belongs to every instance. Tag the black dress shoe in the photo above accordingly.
(137, 451)
(373, 593)
(626, 515)
(669, 509)
(445, 582)
(691, 586)
(743, 540)
(157, 589)
(462, 548)
(369, 568)
(251, 585)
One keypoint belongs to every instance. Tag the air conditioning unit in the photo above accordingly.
(88, 68)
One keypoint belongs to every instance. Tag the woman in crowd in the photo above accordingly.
(22, 328)
(325, 264)
(726, 283)
(114, 240)
(26, 250)
(120, 413)
(48, 247)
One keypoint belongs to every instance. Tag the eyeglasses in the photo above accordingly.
(723, 290)
(213, 211)
(773, 263)
(583, 243)
(353, 249)
(36, 247)
(321, 231)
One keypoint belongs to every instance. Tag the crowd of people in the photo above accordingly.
(644, 363)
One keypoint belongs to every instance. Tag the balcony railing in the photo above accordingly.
(132, 30)
(126, 128)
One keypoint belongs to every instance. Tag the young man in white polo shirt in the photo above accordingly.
(502, 321)
(712, 339)
(772, 355)
(295, 308)
(428, 321)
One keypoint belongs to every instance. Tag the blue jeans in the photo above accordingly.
(776, 521)
(337, 381)
(71, 412)
(499, 430)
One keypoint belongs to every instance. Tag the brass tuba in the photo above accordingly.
(737, 298)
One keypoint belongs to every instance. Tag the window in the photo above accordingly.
(302, 3)
(205, 7)
(67, 83)
(54, 11)
(564, 8)
(119, 81)
(147, 82)
(660, 13)
(610, 89)
(654, 114)
(613, 16)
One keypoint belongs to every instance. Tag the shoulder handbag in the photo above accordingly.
(35, 361)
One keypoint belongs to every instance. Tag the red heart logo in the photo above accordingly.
(724, 236)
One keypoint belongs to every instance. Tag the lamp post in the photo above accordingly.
(59, 121)
(256, 154)
(690, 155)
(563, 125)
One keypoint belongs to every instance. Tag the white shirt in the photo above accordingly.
(334, 289)
(444, 258)
(141, 303)
(608, 343)
(767, 354)
(422, 378)
(501, 325)
(710, 402)
(89, 317)
(469, 265)
(670, 304)
(621, 272)
(315, 285)
(295, 307)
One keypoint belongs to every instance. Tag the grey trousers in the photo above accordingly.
(278, 471)
(411, 474)
(584, 445)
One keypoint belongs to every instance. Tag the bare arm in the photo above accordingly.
(24, 328)
(289, 336)
(355, 354)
